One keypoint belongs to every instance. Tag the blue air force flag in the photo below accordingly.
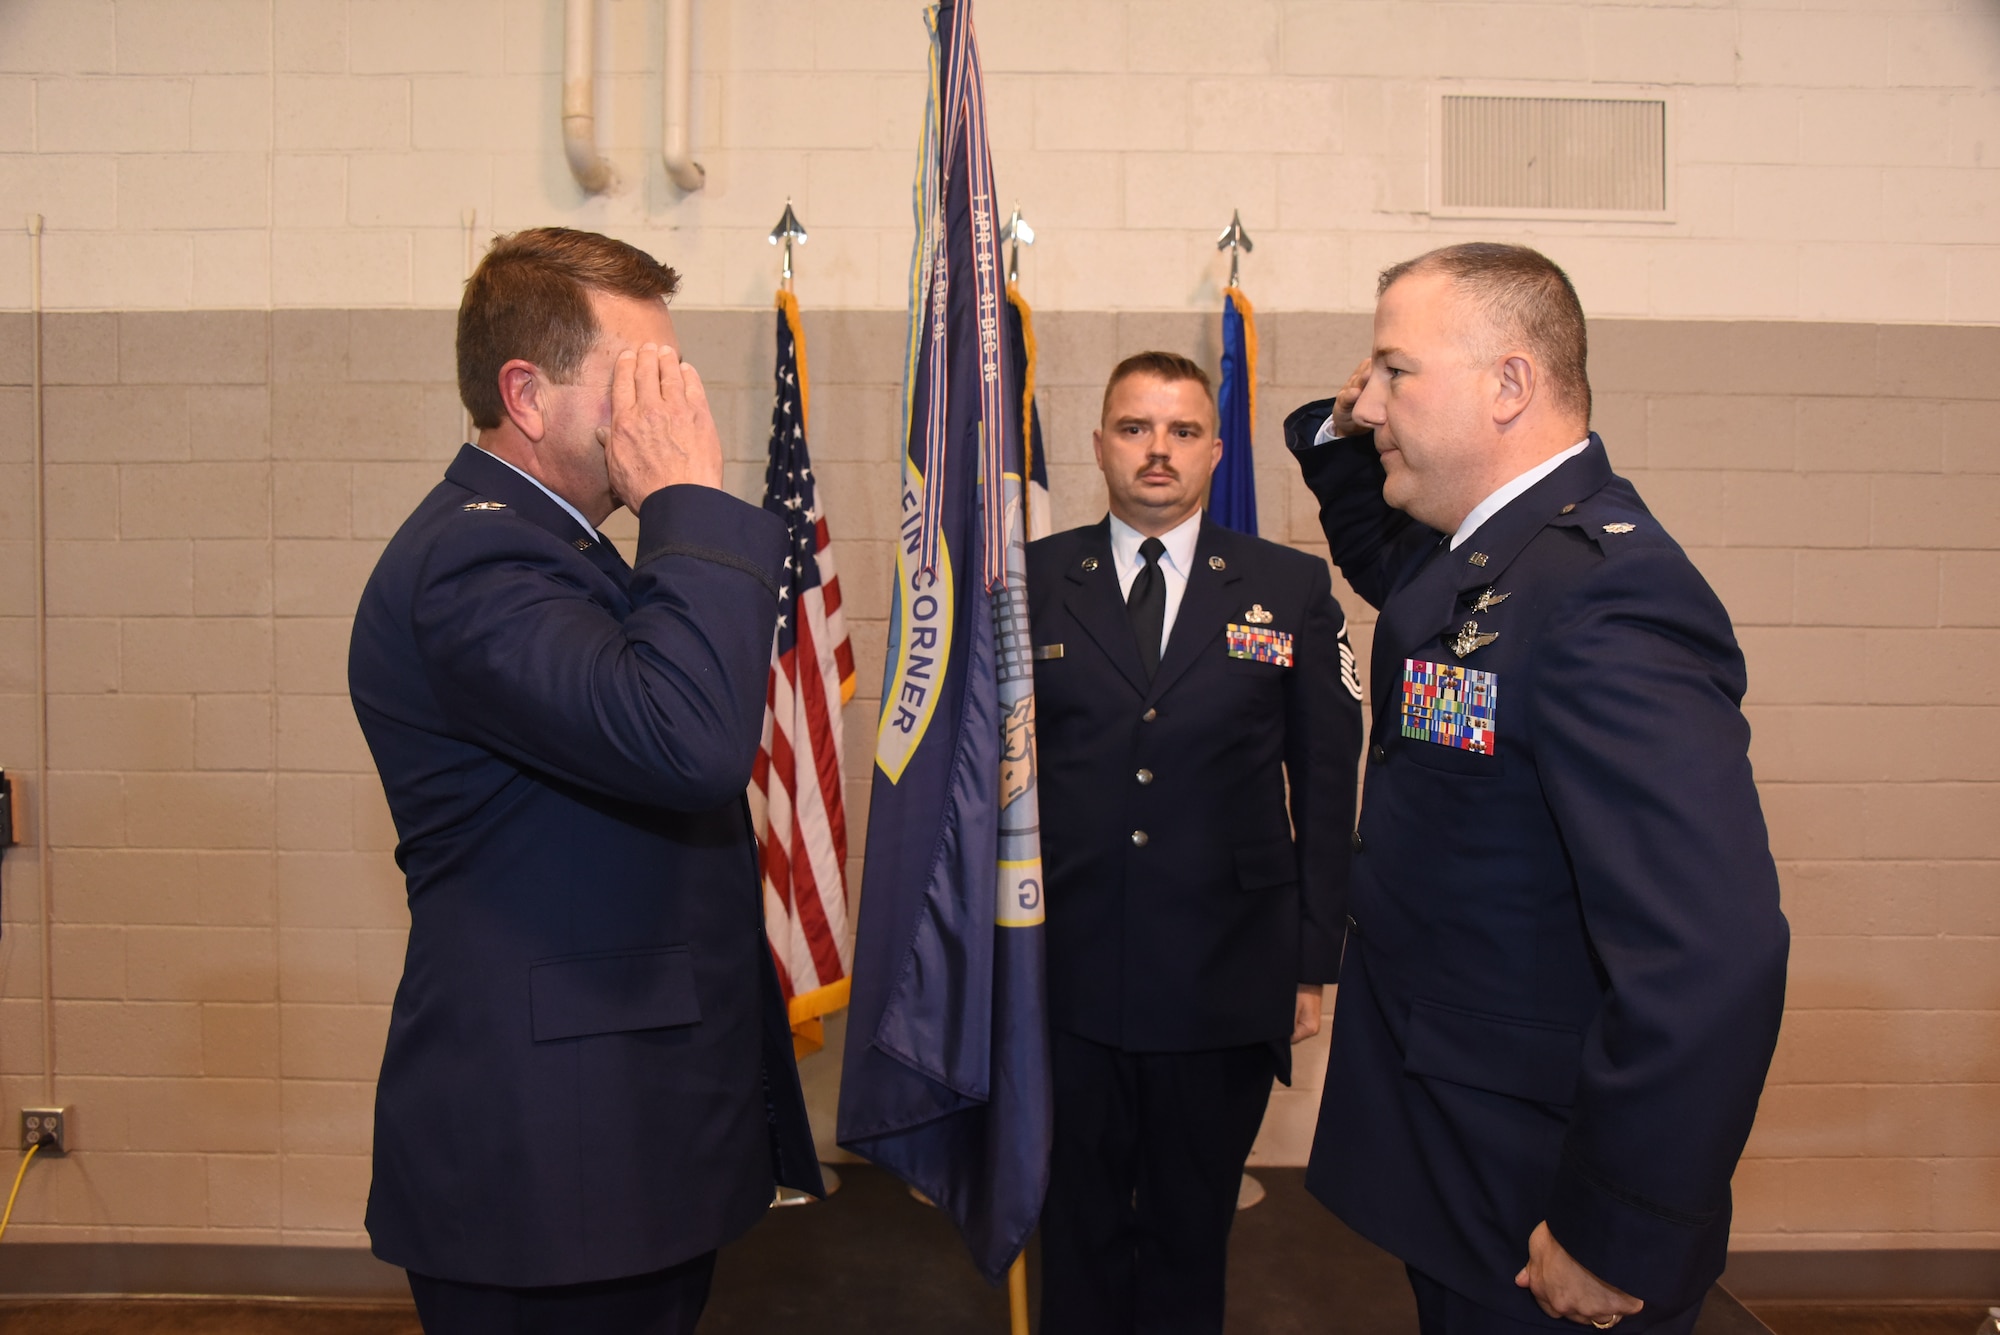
(1232, 496)
(946, 1077)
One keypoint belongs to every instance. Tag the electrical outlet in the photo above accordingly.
(47, 1127)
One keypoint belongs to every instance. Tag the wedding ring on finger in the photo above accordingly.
(1608, 1322)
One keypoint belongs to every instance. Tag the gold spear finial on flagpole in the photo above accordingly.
(788, 229)
(1236, 241)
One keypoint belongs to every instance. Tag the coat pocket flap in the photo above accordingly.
(612, 993)
(1524, 1059)
(1266, 863)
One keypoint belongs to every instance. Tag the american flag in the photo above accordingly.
(796, 785)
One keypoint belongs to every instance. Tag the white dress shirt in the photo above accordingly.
(1497, 502)
(1493, 504)
(1175, 563)
(574, 513)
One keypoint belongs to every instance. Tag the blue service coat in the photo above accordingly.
(588, 1073)
(1565, 962)
(1182, 912)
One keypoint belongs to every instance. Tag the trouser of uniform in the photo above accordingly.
(664, 1302)
(1441, 1311)
(1143, 1177)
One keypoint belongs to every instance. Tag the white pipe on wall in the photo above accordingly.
(579, 111)
(677, 98)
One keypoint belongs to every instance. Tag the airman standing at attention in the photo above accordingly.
(1187, 676)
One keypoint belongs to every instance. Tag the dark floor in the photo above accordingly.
(872, 1261)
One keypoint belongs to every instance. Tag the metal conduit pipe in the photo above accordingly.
(43, 858)
(677, 98)
(579, 110)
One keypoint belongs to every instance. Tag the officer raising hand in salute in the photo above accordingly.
(1565, 964)
(1199, 724)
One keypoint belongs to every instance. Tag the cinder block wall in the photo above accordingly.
(226, 463)
(229, 922)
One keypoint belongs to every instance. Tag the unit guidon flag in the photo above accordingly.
(946, 1079)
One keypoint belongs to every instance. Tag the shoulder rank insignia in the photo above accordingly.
(1469, 640)
(1257, 616)
(1489, 600)
(486, 505)
(1619, 528)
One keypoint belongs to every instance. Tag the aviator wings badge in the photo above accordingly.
(1489, 600)
(1469, 639)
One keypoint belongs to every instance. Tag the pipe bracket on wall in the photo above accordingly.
(592, 170)
(677, 98)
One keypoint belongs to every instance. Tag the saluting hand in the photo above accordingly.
(1565, 1290)
(662, 433)
(1349, 395)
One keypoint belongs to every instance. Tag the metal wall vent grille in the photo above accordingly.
(1569, 153)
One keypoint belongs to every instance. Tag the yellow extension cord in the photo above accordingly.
(22, 1172)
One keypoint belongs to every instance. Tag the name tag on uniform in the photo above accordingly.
(1451, 706)
(1260, 645)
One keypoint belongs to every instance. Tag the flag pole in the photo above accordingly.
(787, 231)
(1017, 1294)
(1236, 241)
(806, 1018)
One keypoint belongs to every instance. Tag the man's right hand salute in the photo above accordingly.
(662, 433)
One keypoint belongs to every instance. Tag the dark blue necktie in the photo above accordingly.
(1146, 605)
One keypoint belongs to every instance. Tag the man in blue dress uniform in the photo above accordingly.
(1198, 724)
(589, 1084)
(1565, 960)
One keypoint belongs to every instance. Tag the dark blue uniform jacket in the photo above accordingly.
(1565, 961)
(1182, 912)
(588, 1073)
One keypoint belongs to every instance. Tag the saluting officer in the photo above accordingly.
(588, 1085)
(1185, 675)
(1566, 961)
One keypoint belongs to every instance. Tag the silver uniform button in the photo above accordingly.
(1140, 839)
(1144, 776)
(1149, 716)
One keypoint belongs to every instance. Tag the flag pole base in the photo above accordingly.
(790, 1196)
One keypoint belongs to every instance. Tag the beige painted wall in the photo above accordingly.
(229, 921)
(1832, 159)
(263, 201)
